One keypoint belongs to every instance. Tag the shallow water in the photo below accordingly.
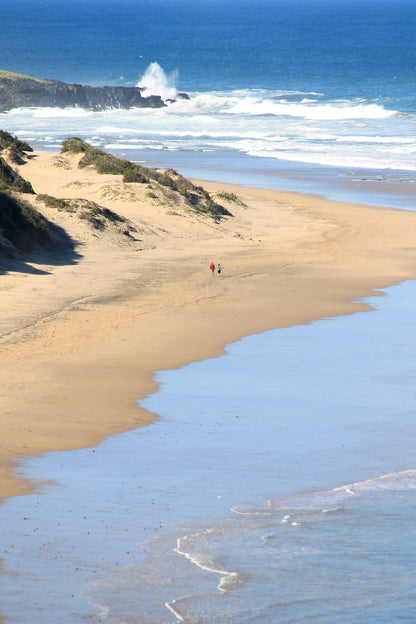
(274, 430)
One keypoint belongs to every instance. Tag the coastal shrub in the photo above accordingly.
(16, 156)
(134, 174)
(55, 202)
(92, 218)
(103, 162)
(150, 171)
(192, 198)
(174, 173)
(215, 210)
(106, 163)
(75, 145)
(10, 180)
(21, 224)
(92, 212)
(166, 180)
(230, 197)
(195, 196)
(7, 141)
(112, 216)
(89, 157)
(98, 216)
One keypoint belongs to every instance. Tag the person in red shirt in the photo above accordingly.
(212, 267)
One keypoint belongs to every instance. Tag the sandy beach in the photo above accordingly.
(83, 333)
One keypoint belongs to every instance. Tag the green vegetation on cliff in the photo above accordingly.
(8, 141)
(15, 76)
(21, 225)
(9, 179)
(98, 216)
(12, 181)
(195, 197)
(24, 229)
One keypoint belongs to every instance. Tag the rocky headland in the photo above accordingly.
(17, 90)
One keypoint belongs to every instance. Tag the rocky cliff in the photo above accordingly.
(17, 91)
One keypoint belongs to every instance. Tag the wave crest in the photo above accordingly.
(310, 109)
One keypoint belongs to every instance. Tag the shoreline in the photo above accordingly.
(81, 343)
(372, 187)
(363, 186)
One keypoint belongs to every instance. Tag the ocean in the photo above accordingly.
(309, 95)
(278, 484)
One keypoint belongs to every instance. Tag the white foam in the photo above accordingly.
(155, 82)
(228, 578)
(340, 159)
(50, 113)
(337, 111)
(324, 501)
(229, 582)
(171, 607)
(394, 481)
(385, 140)
(278, 125)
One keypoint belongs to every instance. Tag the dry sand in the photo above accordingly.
(81, 334)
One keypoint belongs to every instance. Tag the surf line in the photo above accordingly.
(227, 579)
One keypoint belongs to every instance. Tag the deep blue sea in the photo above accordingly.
(278, 485)
(310, 95)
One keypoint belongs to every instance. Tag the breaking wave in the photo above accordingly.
(311, 109)
(277, 124)
(156, 82)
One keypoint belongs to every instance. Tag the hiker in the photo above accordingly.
(212, 267)
(219, 269)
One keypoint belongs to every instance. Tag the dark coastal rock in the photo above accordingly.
(17, 91)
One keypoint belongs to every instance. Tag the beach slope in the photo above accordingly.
(82, 333)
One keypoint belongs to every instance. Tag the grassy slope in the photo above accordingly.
(21, 227)
(14, 76)
(195, 197)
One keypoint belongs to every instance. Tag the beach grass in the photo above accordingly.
(195, 196)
